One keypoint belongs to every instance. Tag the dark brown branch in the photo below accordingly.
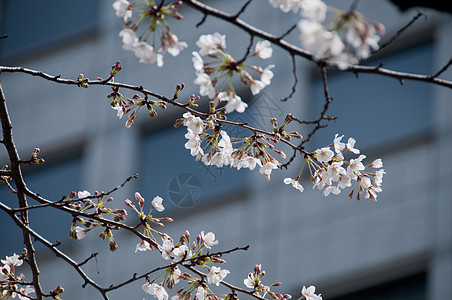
(16, 175)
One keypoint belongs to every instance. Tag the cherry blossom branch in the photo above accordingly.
(16, 175)
(294, 50)
(142, 90)
(63, 202)
(55, 250)
(183, 262)
(226, 284)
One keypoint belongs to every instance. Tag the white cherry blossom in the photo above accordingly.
(155, 290)
(13, 261)
(175, 46)
(166, 248)
(267, 169)
(157, 203)
(83, 194)
(324, 154)
(264, 49)
(198, 63)
(267, 75)
(295, 183)
(201, 293)
(351, 146)
(181, 253)
(206, 88)
(250, 281)
(256, 86)
(147, 54)
(208, 239)
(121, 8)
(376, 164)
(313, 9)
(143, 246)
(234, 102)
(216, 275)
(129, 39)
(80, 232)
(309, 293)
(211, 43)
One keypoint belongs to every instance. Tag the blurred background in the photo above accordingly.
(397, 248)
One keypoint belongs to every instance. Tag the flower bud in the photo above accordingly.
(140, 199)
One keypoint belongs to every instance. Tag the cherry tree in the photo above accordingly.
(329, 38)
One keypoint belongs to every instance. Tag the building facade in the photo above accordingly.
(397, 248)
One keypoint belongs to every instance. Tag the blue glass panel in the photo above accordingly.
(169, 171)
(31, 24)
(413, 288)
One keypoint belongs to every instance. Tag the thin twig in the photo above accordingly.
(248, 50)
(399, 32)
(443, 69)
(294, 72)
(328, 101)
(242, 9)
(183, 262)
(63, 202)
(288, 31)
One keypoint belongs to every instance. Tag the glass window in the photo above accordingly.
(32, 25)
(377, 110)
(413, 288)
(169, 171)
(52, 182)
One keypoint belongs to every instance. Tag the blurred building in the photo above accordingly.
(397, 248)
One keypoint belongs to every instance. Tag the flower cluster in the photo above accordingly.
(185, 253)
(253, 281)
(211, 150)
(153, 17)
(83, 202)
(330, 172)
(131, 106)
(180, 253)
(344, 39)
(215, 78)
(12, 285)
